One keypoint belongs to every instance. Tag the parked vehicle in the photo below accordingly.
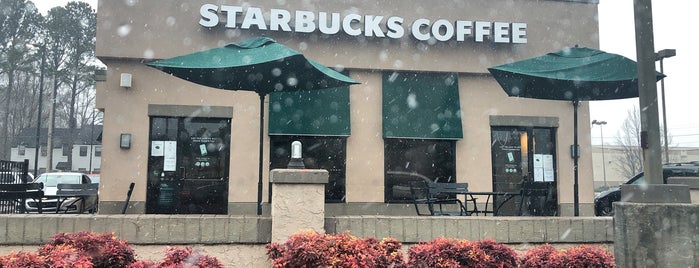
(604, 200)
(95, 178)
(70, 204)
(401, 181)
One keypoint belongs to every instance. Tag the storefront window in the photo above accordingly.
(318, 153)
(409, 161)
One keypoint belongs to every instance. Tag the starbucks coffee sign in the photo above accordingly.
(300, 21)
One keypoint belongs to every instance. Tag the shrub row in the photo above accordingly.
(87, 250)
(310, 249)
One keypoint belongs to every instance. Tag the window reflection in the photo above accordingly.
(318, 153)
(415, 160)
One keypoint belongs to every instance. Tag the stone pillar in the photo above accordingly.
(298, 201)
(656, 227)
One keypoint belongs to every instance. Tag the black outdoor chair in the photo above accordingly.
(80, 192)
(440, 198)
(420, 195)
(14, 195)
(444, 195)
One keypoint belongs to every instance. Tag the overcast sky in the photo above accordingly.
(673, 23)
(672, 26)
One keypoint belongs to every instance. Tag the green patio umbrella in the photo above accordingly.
(571, 74)
(259, 64)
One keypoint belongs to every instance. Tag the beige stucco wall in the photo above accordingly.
(131, 32)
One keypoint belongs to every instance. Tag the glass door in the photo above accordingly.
(524, 162)
(188, 166)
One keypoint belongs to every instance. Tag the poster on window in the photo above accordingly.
(538, 167)
(156, 148)
(548, 168)
(204, 151)
(170, 153)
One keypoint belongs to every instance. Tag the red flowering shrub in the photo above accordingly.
(102, 249)
(392, 251)
(176, 257)
(443, 252)
(22, 260)
(310, 249)
(142, 264)
(500, 255)
(180, 257)
(588, 256)
(545, 256)
(66, 256)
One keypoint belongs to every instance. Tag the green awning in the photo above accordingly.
(321, 112)
(421, 106)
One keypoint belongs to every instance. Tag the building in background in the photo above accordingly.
(86, 150)
(614, 154)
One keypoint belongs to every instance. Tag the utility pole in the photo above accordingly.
(663, 54)
(41, 103)
(647, 92)
(49, 142)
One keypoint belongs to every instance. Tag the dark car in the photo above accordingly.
(604, 200)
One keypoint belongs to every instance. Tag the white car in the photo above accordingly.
(68, 204)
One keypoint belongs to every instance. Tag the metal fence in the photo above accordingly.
(13, 173)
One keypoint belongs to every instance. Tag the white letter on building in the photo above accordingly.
(448, 30)
(253, 16)
(209, 18)
(464, 28)
(519, 33)
(416, 29)
(304, 21)
(232, 12)
(482, 30)
(395, 27)
(501, 32)
(371, 26)
(279, 18)
(334, 23)
(347, 24)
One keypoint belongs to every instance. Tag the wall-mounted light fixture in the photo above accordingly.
(125, 80)
(125, 141)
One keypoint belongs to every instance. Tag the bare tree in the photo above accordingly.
(20, 24)
(631, 162)
(66, 37)
(81, 35)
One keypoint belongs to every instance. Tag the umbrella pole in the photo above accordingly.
(576, 155)
(259, 181)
